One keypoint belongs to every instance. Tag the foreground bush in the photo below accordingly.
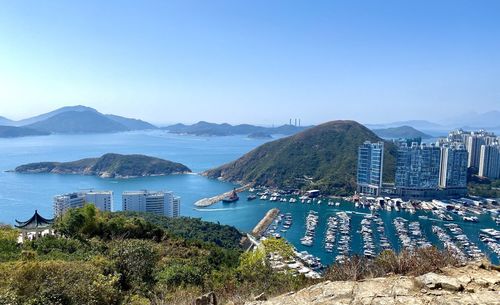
(56, 282)
(9, 250)
(421, 261)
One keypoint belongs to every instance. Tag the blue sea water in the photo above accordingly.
(21, 194)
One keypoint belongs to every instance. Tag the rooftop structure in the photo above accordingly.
(35, 223)
(34, 227)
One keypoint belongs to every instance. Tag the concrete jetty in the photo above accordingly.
(205, 202)
(265, 222)
(251, 240)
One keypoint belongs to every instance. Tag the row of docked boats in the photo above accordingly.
(469, 248)
(280, 224)
(331, 233)
(448, 243)
(385, 203)
(417, 235)
(441, 214)
(311, 224)
(367, 235)
(491, 238)
(344, 242)
(410, 234)
(385, 244)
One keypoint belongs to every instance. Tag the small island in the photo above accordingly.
(259, 135)
(109, 166)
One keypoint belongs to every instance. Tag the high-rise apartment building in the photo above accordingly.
(473, 142)
(103, 200)
(489, 165)
(160, 203)
(453, 171)
(370, 167)
(418, 166)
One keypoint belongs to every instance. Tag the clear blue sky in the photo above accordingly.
(251, 61)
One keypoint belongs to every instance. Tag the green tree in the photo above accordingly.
(9, 249)
(280, 246)
(135, 260)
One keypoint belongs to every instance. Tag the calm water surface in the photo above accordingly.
(21, 194)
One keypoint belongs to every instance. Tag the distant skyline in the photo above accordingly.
(260, 62)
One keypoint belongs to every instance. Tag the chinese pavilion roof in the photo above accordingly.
(35, 222)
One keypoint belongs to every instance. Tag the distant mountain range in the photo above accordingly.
(401, 132)
(109, 166)
(322, 157)
(5, 121)
(82, 119)
(71, 120)
(486, 120)
(15, 132)
(469, 121)
(212, 129)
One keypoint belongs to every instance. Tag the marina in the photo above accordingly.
(345, 228)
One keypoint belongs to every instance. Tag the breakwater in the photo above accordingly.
(205, 202)
(265, 222)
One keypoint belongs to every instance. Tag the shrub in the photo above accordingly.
(9, 249)
(135, 261)
(56, 282)
(421, 261)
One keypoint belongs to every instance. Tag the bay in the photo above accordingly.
(21, 194)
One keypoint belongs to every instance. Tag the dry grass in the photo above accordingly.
(405, 263)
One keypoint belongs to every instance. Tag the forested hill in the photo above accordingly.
(323, 157)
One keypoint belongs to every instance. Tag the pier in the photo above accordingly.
(205, 202)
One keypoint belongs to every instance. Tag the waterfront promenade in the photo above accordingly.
(205, 202)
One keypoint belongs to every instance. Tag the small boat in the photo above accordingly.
(251, 197)
(231, 198)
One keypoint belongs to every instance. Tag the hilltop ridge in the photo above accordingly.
(322, 157)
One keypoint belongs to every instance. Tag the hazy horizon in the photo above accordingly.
(260, 62)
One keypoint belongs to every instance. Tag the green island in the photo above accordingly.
(109, 166)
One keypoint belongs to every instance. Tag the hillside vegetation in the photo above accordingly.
(104, 258)
(323, 157)
(109, 166)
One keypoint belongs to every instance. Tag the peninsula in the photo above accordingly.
(109, 166)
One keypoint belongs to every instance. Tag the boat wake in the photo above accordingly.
(217, 210)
